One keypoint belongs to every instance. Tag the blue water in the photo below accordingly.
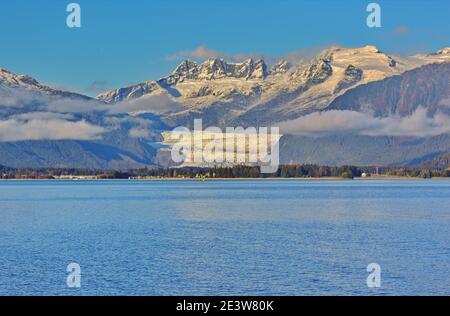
(225, 237)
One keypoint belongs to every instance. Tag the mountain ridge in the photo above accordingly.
(9, 79)
(258, 94)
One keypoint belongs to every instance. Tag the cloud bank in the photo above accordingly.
(156, 104)
(47, 129)
(34, 115)
(326, 123)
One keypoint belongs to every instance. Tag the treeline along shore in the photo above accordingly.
(303, 171)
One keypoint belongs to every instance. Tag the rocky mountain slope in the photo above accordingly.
(427, 86)
(362, 150)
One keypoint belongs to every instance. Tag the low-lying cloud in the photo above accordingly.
(15, 129)
(139, 132)
(28, 99)
(34, 115)
(156, 104)
(418, 124)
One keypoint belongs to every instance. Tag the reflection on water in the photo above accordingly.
(225, 237)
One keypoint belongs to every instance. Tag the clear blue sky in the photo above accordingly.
(124, 42)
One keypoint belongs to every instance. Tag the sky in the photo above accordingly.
(126, 42)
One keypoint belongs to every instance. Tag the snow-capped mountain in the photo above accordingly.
(9, 79)
(252, 93)
(188, 72)
(12, 80)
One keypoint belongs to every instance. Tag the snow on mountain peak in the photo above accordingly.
(12, 80)
(217, 68)
(280, 67)
(316, 72)
(184, 67)
(442, 55)
(444, 51)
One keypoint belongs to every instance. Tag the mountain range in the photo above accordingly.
(392, 109)
(250, 93)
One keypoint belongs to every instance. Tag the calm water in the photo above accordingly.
(225, 237)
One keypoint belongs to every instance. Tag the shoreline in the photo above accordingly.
(238, 179)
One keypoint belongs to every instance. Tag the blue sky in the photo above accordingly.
(125, 42)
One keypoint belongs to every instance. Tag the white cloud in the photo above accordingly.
(139, 132)
(33, 115)
(17, 98)
(157, 104)
(25, 99)
(71, 105)
(418, 124)
(48, 129)
(42, 116)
